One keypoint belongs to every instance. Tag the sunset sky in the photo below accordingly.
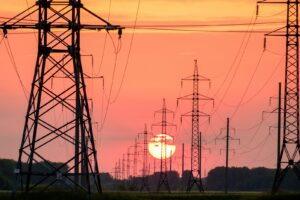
(243, 76)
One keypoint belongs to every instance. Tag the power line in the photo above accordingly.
(248, 85)
(105, 41)
(200, 25)
(129, 52)
(238, 58)
(263, 86)
(111, 85)
(13, 62)
(203, 30)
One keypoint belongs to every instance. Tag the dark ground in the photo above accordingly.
(151, 196)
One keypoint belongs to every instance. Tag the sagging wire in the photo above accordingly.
(117, 49)
(105, 42)
(13, 62)
(129, 53)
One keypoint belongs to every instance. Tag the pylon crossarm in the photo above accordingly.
(56, 20)
(196, 77)
(164, 123)
(167, 111)
(272, 33)
(191, 97)
(266, 1)
(108, 26)
(200, 113)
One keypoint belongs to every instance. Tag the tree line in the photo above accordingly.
(239, 179)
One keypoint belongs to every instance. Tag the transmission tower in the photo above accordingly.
(145, 182)
(135, 162)
(182, 160)
(59, 26)
(117, 170)
(290, 149)
(279, 112)
(128, 163)
(227, 138)
(163, 175)
(195, 173)
(123, 167)
(135, 158)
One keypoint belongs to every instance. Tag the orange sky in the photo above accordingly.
(159, 59)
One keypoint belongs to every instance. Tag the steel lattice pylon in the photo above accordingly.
(196, 143)
(59, 25)
(145, 181)
(289, 157)
(163, 175)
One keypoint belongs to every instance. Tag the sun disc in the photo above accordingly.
(161, 146)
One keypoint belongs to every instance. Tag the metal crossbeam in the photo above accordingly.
(195, 177)
(59, 25)
(289, 158)
(163, 175)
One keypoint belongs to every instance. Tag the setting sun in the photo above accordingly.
(161, 146)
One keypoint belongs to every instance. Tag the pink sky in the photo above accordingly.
(159, 59)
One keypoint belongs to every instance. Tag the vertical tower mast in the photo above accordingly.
(290, 149)
(135, 158)
(128, 163)
(195, 114)
(227, 138)
(145, 183)
(163, 175)
(59, 26)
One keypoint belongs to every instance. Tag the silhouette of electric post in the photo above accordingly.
(123, 167)
(154, 166)
(117, 170)
(195, 177)
(128, 163)
(45, 16)
(135, 158)
(171, 160)
(145, 182)
(290, 149)
(182, 160)
(279, 112)
(163, 175)
(135, 154)
(227, 138)
(202, 149)
(128, 166)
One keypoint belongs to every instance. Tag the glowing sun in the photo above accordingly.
(161, 146)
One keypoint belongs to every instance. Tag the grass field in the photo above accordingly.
(150, 196)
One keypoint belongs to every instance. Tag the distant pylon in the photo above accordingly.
(128, 163)
(227, 138)
(163, 175)
(290, 149)
(195, 177)
(135, 162)
(145, 181)
(123, 167)
(135, 158)
(59, 24)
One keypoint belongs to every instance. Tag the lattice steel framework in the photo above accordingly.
(135, 159)
(163, 175)
(123, 168)
(145, 181)
(196, 143)
(290, 148)
(59, 25)
(128, 163)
